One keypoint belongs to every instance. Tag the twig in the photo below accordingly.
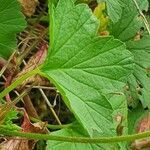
(19, 97)
(42, 87)
(50, 106)
(2, 83)
(142, 15)
(5, 67)
(4, 77)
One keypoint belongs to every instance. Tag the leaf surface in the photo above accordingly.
(11, 23)
(130, 22)
(141, 52)
(84, 66)
(126, 29)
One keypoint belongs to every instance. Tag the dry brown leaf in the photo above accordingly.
(16, 144)
(28, 6)
(33, 63)
(141, 144)
(144, 124)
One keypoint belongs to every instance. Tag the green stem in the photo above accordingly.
(50, 126)
(18, 82)
(36, 136)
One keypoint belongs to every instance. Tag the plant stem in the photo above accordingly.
(50, 106)
(36, 136)
(41, 87)
(50, 126)
(6, 65)
(18, 82)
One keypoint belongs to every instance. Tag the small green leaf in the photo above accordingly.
(7, 120)
(11, 23)
(84, 67)
(12, 114)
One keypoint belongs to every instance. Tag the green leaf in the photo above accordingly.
(8, 120)
(141, 52)
(11, 23)
(114, 9)
(130, 22)
(84, 67)
(125, 29)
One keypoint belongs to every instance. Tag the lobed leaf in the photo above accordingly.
(84, 66)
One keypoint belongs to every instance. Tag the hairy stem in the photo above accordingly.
(5, 132)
